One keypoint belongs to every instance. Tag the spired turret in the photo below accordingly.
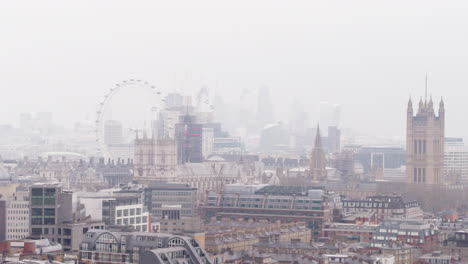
(430, 106)
(410, 106)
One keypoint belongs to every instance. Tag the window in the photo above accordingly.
(125, 212)
(36, 216)
(138, 211)
(49, 216)
(49, 196)
(132, 211)
(119, 213)
(36, 196)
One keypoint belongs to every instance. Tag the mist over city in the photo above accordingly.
(213, 132)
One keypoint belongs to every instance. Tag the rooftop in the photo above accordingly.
(286, 190)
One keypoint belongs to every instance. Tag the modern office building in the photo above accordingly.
(52, 216)
(159, 194)
(272, 203)
(14, 217)
(118, 210)
(455, 160)
(104, 247)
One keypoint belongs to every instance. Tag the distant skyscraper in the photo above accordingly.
(26, 122)
(318, 161)
(189, 138)
(425, 143)
(113, 132)
(265, 113)
(334, 139)
(330, 114)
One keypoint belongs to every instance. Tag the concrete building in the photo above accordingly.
(118, 210)
(104, 247)
(425, 133)
(172, 221)
(159, 194)
(52, 216)
(14, 217)
(272, 203)
(455, 161)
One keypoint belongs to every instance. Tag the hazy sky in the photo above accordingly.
(368, 56)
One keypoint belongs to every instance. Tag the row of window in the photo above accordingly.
(15, 205)
(18, 211)
(18, 230)
(127, 212)
(365, 204)
(133, 220)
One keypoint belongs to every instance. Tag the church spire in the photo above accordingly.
(318, 138)
(410, 106)
(318, 160)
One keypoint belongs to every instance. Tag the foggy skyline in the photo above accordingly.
(368, 57)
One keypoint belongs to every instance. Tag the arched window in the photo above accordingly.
(107, 243)
(175, 242)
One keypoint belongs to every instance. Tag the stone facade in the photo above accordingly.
(425, 144)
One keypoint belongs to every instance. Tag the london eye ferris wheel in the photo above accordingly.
(156, 100)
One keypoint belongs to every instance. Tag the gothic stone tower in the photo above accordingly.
(425, 143)
(155, 158)
(318, 161)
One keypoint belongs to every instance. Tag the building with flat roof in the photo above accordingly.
(412, 232)
(14, 217)
(52, 216)
(273, 203)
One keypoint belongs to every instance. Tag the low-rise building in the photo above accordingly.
(350, 232)
(272, 203)
(457, 245)
(404, 253)
(236, 236)
(104, 247)
(412, 232)
(385, 207)
(436, 257)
